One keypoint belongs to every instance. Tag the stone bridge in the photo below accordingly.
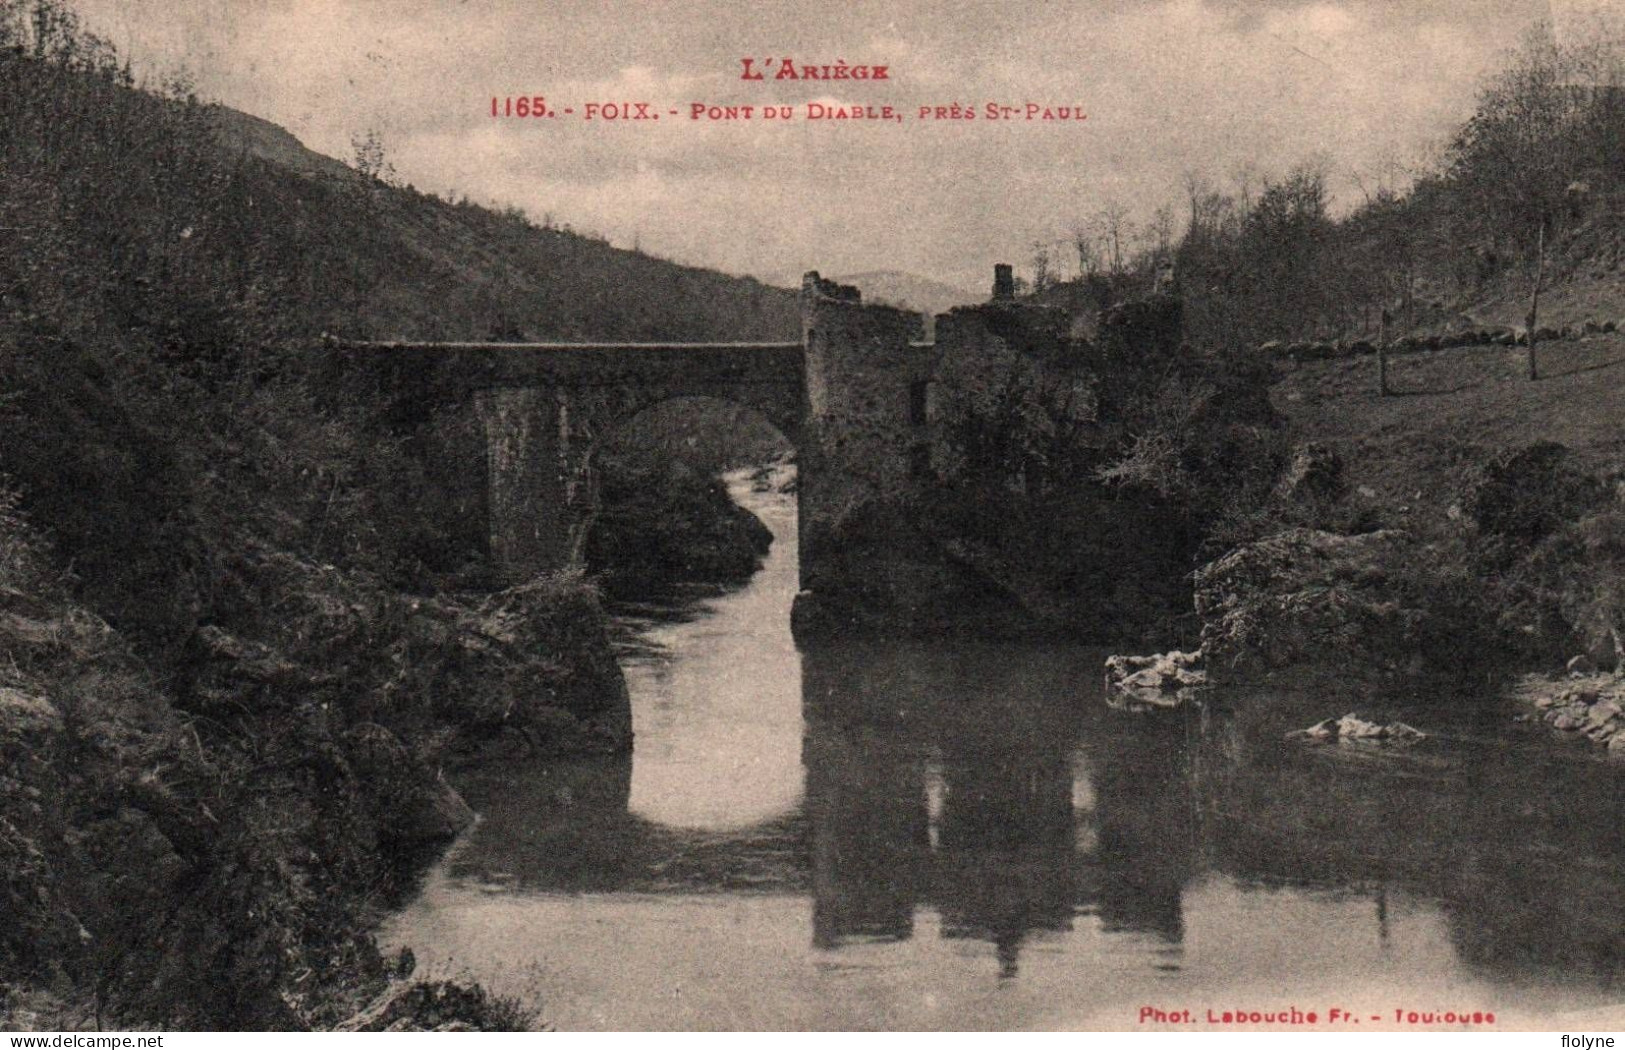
(850, 396)
(942, 484)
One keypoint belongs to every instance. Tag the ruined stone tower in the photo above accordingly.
(865, 429)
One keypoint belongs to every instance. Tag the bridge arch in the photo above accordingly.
(845, 395)
(704, 430)
(632, 467)
(544, 408)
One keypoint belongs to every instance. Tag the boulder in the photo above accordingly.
(1606, 709)
(1314, 472)
(422, 807)
(1352, 727)
(436, 814)
(1567, 721)
(494, 669)
(1164, 680)
(1585, 696)
(1305, 597)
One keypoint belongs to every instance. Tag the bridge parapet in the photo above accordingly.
(483, 364)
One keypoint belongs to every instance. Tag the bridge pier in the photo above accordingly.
(532, 517)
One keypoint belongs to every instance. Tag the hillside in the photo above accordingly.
(1412, 453)
(406, 265)
(241, 631)
(1583, 281)
(271, 142)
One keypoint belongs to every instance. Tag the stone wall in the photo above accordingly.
(1011, 362)
(864, 365)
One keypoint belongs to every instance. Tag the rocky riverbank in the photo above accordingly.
(205, 844)
(1581, 704)
(1525, 572)
(667, 525)
(204, 836)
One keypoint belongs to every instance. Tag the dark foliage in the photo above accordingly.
(662, 527)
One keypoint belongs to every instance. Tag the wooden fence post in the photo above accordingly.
(1382, 355)
(1534, 298)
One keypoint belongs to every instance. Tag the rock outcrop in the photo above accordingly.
(1351, 728)
(1315, 472)
(1309, 597)
(202, 850)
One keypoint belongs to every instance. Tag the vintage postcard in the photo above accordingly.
(927, 516)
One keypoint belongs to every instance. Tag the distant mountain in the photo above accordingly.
(272, 142)
(911, 291)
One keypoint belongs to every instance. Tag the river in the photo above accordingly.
(954, 835)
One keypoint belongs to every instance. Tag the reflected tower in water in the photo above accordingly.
(948, 777)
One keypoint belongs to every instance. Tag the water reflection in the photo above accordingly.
(964, 779)
(986, 785)
(717, 696)
(953, 835)
(932, 780)
(1520, 843)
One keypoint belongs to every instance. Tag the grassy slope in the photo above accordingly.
(389, 262)
(1453, 407)
(1582, 282)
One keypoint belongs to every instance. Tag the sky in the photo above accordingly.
(1170, 87)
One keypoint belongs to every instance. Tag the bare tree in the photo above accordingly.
(1083, 243)
(372, 157)
(1246, 178)
(1042, 276)
(1534, 297)
(1197, 189)
(1160, 230)
(1115, 228)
